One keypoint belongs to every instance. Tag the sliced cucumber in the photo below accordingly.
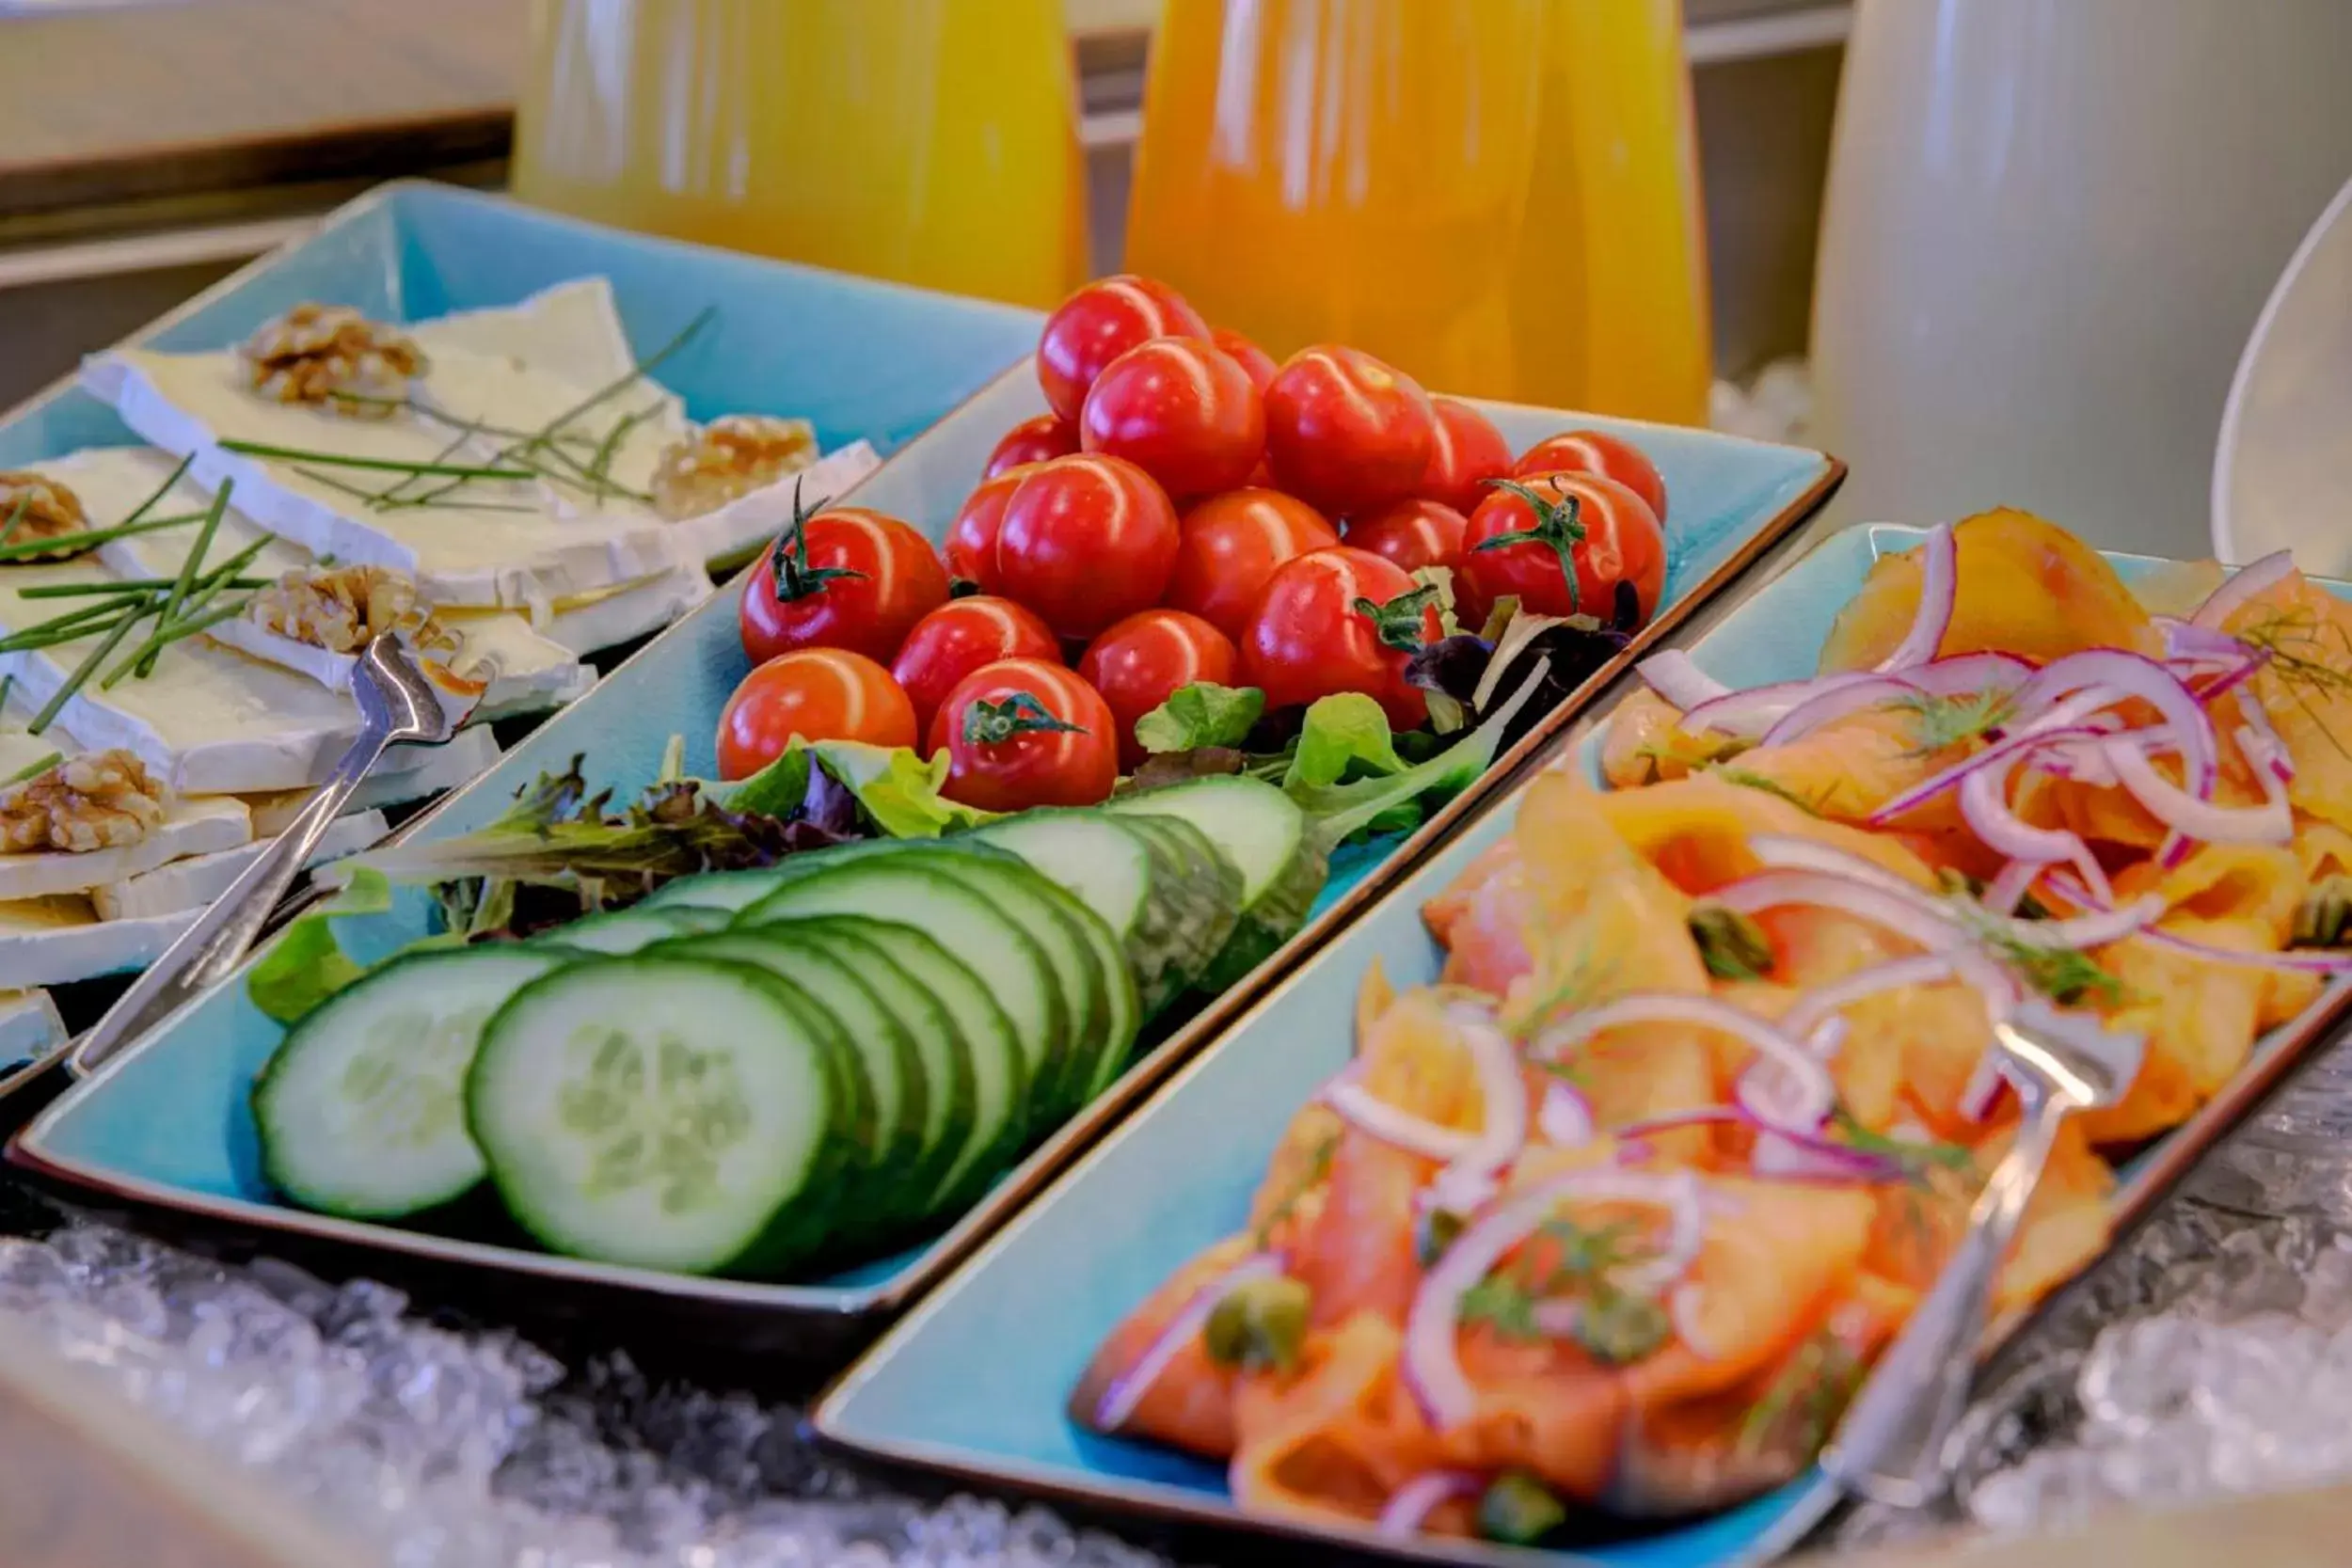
(627, 931)
(728, 892)
(361, 1110)
(1265, 834)
(941, 1000)
(892, 1067)
(978, 926)
(667, 1112)
(1134, 880)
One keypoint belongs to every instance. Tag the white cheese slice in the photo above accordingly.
(211, 721)
(190, 826)
(468, 755)
(493, 542)
(586, 623)
(750, 521)
(30, 1025)
(193, 882)
(53, 940)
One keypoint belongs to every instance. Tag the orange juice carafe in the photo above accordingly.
(1499, 197)
(930, 141)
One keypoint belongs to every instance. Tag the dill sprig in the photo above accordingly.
(2296, 645)
(2064, 974)
(1939, 723)
(1749, 778)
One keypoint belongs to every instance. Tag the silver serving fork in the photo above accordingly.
(1890, 1446)
(397, 702)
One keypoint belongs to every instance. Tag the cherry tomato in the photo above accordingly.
(845, 577)
(1310, 637)
(1181, 410)
(1137, 664)
(1607, 530)
(1247, 355)
(1022, 732)
(1466, 453)
(971, 548)
(818, 694)
(1231, 544)
(1590, 452)
(1346, 432)
(956, 639)
(1100, 322)
(1084, 541)
(1048, 436)
(1413, 533)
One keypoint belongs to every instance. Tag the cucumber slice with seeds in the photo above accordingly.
(1265, 834)
(361, 1111)
(664, 1113)
(627, 931)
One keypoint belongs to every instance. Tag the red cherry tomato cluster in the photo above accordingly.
(1187, 510)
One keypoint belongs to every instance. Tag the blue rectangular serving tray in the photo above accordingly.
(164, 1123)
(974, 1381)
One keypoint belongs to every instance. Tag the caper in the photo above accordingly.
(2323, 918)
(1518, 1509)
(1617, 1326)
(1434, 1234)
(1259, 1326)
(1731, 945)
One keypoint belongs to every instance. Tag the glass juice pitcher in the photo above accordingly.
(933, 142)
(1501, 197)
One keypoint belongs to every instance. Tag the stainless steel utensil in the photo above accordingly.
(396, 702)
(1890, 1446)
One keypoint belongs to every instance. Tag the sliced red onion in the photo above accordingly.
(2009, 888)
(1931, 928)
(2294, 961)
(1939, 591)
(2187, 640)
(1683, 1310)
(2232, 678)
(1808, 1157)
(2094, 929)
(1432, 1363)
(1567, 1117)
(1824, 1039)
(1467, 1181)
(2131, 674)
(1391, 1124)
(1810, 1084)
(1825, 707)
(1409, 1506)
(1795, 852)
(2247, 582)
(1984, 1089)
(2191, 817)
(1750, 712)
(1822, 1005)
(1126, 1391)
(1675, 676)
(1970, 673)
(1985, 804)
(2013, 743)
(2273, 752)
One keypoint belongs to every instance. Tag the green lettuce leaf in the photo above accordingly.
(308, 964)
(1342, 733)
(1199, 715)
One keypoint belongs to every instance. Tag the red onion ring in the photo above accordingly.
(2186, 640)
(1367, 1112)
(2193, 817)
(1808, 1157)
(1567, 1117)
(1126, 1391)
(2293, 960)
(1811, 1081)
(1750, 712)
(2279, 759)
(2011, 744)
(2131, 674)
(1985, 804)
(1825, 707)
(1939, 591)
(1795, 852)
(1675, 676)
(1983, 672)
(1930, 927)
(1984, 1089)
(1823, 1003)
(1469, 1179)
(1409, 1506)
(2245, 583)
(2009, 888)
(1432, 1362)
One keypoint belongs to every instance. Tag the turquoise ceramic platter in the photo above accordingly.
(975, 1380)
(165, 1123)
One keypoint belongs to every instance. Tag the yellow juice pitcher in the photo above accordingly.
(930, 141)
(1498, 196)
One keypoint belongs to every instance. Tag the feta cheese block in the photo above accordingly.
(29, 1026)
(549, 385)
(193, 882)
(466, 756)
(53, 940)
(190, 826)
(528, 671)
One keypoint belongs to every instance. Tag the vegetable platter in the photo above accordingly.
(1566, 1199)
(521, 439)
(888, 990)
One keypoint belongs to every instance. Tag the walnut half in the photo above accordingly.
(48, 511)
(332, 355)
(341, 609)
(727, 460)
(104, 800)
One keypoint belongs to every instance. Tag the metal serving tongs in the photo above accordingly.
(1890, 1447)
(398, 701)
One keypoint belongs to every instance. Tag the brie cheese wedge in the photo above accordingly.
(466, 756)
(190, 826)
(55, 941)
(30, 1025)
(193, 882)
